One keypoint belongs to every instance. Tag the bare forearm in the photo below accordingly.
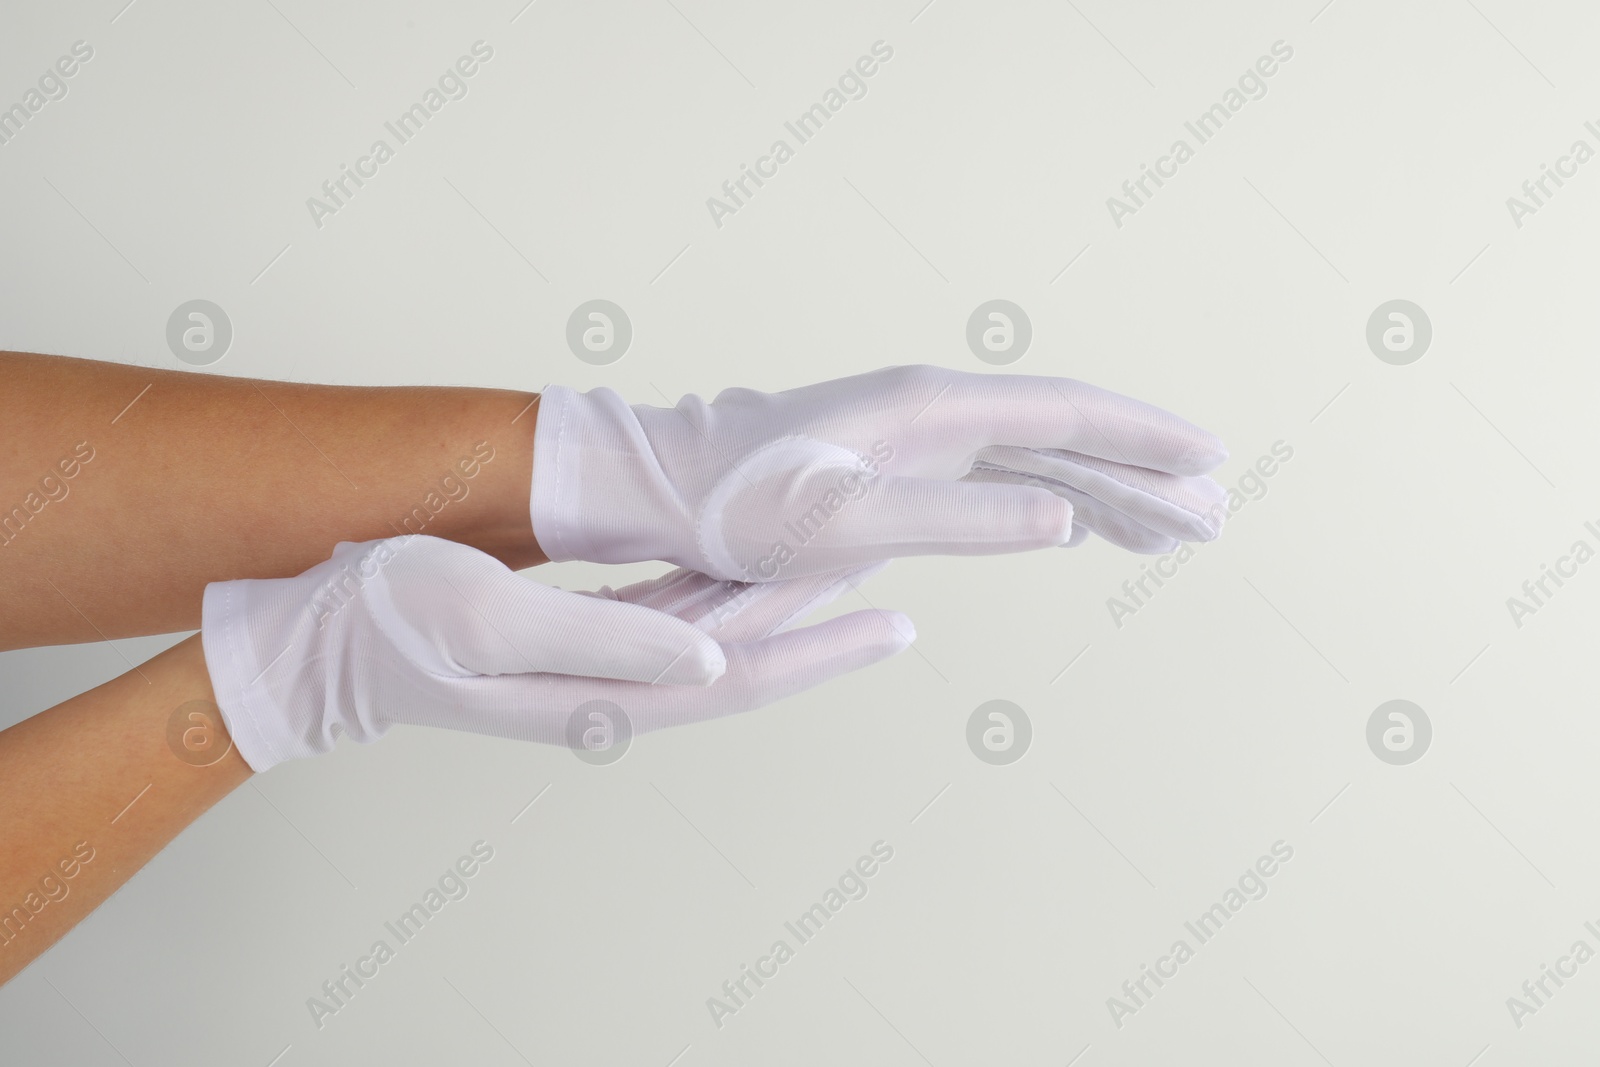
(202, 478)
(93, 788)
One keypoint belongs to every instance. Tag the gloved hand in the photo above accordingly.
(428, 632)
(899, 462)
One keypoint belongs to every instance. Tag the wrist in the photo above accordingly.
(482, 499)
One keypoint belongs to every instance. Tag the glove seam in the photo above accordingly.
(982, 466)
(718, 561)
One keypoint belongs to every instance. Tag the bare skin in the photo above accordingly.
(93, 788)
(201, 478)
(123, 492)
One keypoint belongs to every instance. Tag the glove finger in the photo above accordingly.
(784, 607)
(1039, 412)
(772, 668)
(1090, 516)
(739, 611)
(539, 707)
(1190, 509)
(1114, 526)
(656, 592)
(762, 609)
(508, 625)
(919, 516)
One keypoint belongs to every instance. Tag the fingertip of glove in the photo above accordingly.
(1155, 546)
(901, 631)
(1210, 529)
(1049, 521)
(1203, 457)
(869, 635)
(701, 663)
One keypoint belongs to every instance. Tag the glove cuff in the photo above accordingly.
(231, 662)
(286, 657)
(599, 491)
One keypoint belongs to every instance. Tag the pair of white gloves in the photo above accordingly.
(771, 505)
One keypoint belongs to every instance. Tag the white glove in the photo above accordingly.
(428, 632)
(899, 462)
(1136, 508)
